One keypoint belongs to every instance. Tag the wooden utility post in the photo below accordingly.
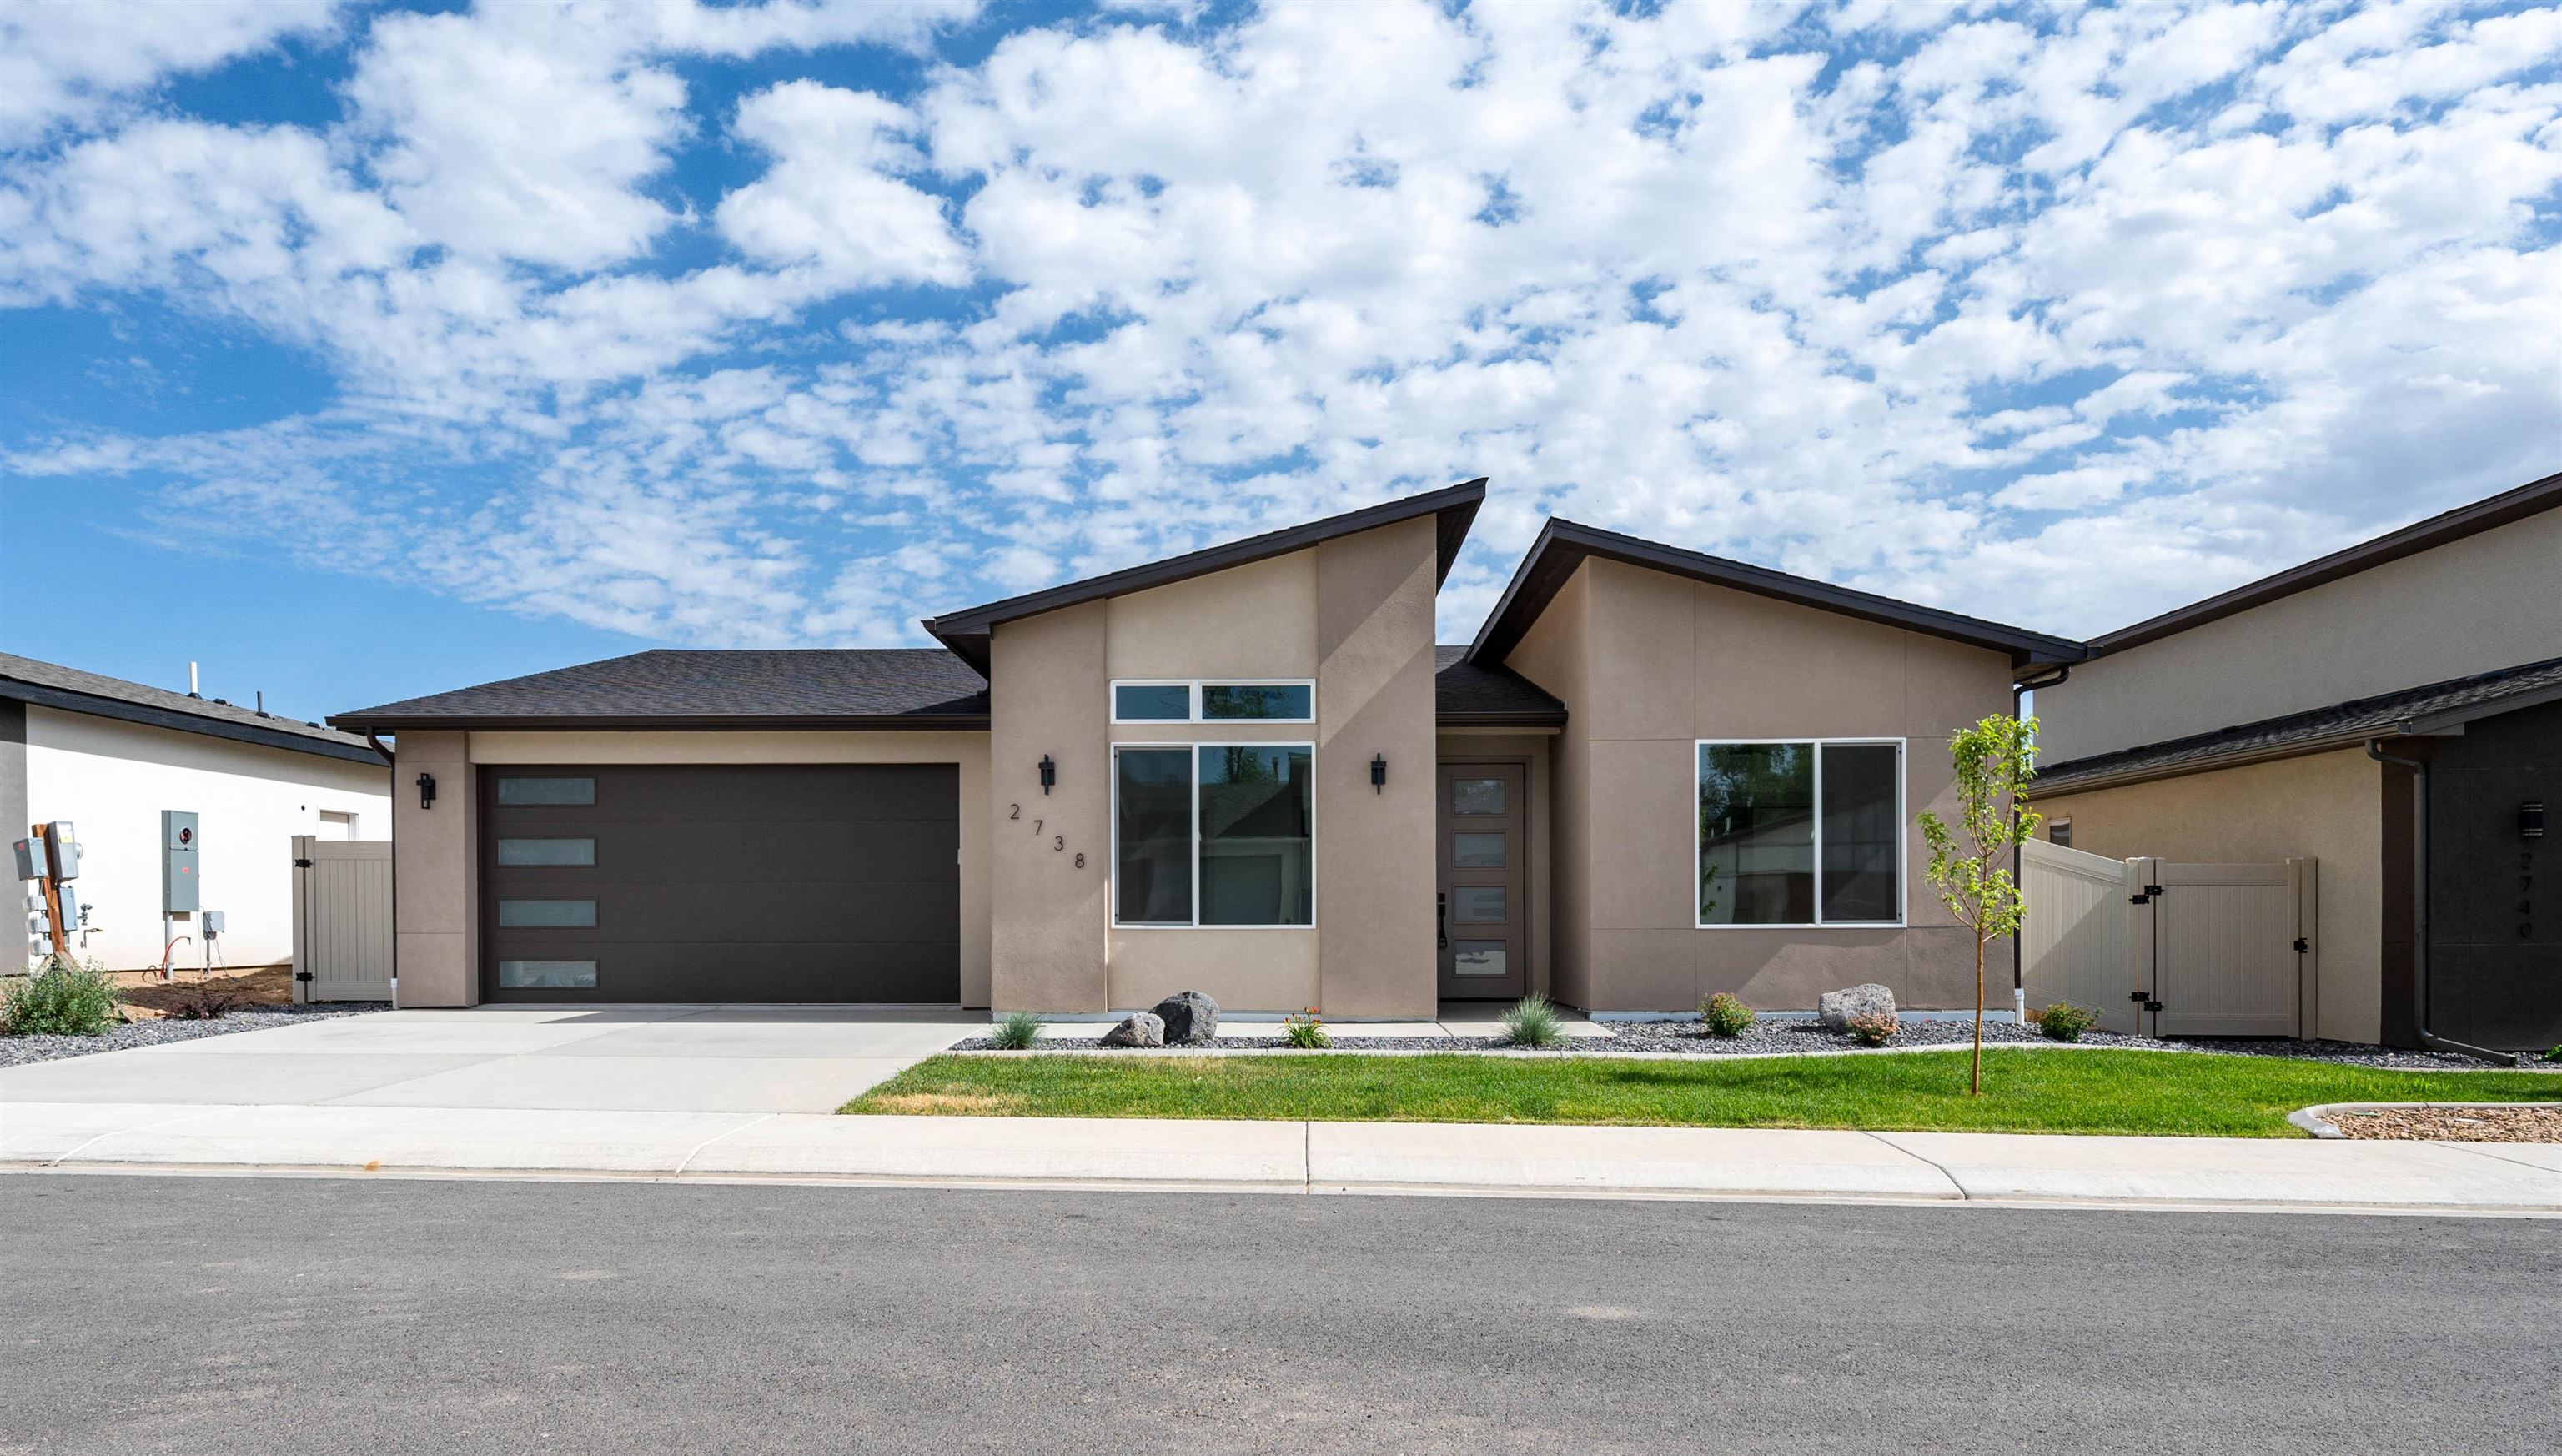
(53, 894)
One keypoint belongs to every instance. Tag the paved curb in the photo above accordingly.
(2316, 1117)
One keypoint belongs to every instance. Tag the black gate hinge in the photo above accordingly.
(302, 864)
(2145, 998)
(306, 976)
(2302, 945)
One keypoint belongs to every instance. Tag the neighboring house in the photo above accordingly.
(1247, 770)
(113, 756)
(2393, 710)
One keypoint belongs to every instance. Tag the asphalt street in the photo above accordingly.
(215, 1314)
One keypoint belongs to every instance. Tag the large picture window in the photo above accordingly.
(1801, 833)
(1213, 833)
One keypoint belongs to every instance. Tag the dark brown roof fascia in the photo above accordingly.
(1563, 545)
(909, 722)
(967, 632)
(1554, 719)
(2511, 505)
(153, 717)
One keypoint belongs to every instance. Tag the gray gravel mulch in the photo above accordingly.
(2451, 1123)
(1778, 1037)
(19, 1051)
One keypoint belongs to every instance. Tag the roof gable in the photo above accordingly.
(52, 685)
(967, 632)
(813, 687)
(1564, 545)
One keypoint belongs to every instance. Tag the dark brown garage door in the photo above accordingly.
(798, 882)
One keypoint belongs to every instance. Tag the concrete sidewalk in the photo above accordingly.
(1293, 1157)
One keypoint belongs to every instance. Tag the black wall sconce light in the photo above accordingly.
(1049, 772)
(2530, 819)
(425, 790)
(1378, 773)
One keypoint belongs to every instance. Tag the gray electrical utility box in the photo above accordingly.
(31, 860)
(178, 846)
(62, 842)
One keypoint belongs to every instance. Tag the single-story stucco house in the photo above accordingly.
(1247, 771)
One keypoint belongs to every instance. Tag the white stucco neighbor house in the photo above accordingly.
(114, 757)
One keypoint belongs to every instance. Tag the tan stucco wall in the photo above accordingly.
(1532, 749)
(1049, 694)
(1551, 654)
(1667, 662)
(1354, 613)
(2471, 605)
(966, 751)
(435, 876)
(2328, 805)
(1374, 696)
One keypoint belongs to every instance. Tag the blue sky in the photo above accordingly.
(364, 351)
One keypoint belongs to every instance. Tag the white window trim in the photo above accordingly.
(1193, 706)
(1192, 762)
(1903, 845)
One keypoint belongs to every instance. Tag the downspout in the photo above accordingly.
(2018, 966)
(375, 741)
(2420, 911)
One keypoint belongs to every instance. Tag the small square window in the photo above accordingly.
(564, 975)
(579, 791)
(1477, 851)
(1478, 957)
(1476, 796)
(1152, 702)
(549, 914)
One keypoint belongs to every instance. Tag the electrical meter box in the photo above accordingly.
(178, 847)
(213, 924)
(61, 844)
(31, 860)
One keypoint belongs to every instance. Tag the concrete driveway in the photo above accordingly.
(723, 1058)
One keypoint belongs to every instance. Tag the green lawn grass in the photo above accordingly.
(2026, 1091)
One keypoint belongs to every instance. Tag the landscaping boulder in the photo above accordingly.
(1140, 1028)
(1835, 1008)
(1190, 1018)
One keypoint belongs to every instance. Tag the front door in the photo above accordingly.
(1485, 916)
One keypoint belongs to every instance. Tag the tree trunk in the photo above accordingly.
(1976, 1089)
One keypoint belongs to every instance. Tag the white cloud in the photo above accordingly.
(2052, 314)
(67, 61)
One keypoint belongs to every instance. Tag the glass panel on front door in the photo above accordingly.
(1477, 903)
(1476, 796)
(1477, 851)
(1478, 958)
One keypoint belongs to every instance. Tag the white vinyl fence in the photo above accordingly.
(342, 919)
(2168, 949)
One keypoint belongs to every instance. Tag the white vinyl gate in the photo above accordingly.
(2169, 948)
(342, 919)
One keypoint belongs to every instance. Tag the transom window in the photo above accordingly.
(1213, 833)
(1804, 832)
(1211, 701)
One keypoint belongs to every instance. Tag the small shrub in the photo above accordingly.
(2554, 1055)
(2065, 1021)
(1014, 1030)
(1872, 1029)
(203, 1005)
(1726, 1015)
(1531, 1021)
(1304, 1030)
(62, 999)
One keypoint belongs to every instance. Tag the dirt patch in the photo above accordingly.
(947, 1104)
(2456, 1124)
(147, 998)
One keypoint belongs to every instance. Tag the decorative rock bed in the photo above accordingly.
(19, 1051)
(2447, 1123)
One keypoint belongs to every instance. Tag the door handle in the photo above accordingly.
(1441, 904)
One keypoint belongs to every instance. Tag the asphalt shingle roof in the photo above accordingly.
(51, 684)
(2379, 716)
(1463, 690)
(672, 687)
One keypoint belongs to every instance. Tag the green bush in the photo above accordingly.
(1304, 1030)
(2065, 1021)
(2554, 1055)
(1014, 1030)
(1531, 1021)
(1873, 1028)
(62, 999)
(1726, 1015)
